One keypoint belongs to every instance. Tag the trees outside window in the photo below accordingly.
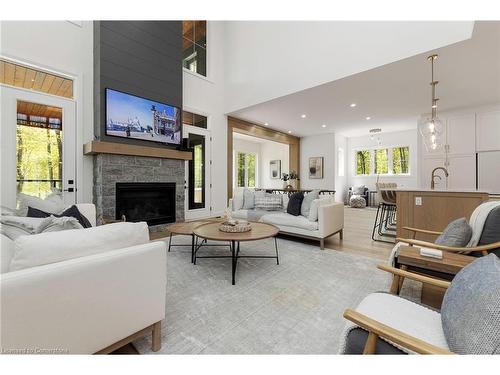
(393, 161)
(363, 161)
(246, 170)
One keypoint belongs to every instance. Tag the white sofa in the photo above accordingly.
(330, 221)
(84, 305)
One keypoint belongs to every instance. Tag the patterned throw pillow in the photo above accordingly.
(268, 202)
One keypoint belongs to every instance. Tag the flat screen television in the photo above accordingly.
(133, 117)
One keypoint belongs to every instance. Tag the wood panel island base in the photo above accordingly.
(433, 209)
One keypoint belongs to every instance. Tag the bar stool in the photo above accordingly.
(385, 220)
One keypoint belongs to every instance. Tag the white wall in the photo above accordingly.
(318, 145)
(273, 151)
(206, 96)
(267, 60)
(340, 168)
(394, 139)
(67, 48)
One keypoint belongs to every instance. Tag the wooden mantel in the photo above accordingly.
(98, 147)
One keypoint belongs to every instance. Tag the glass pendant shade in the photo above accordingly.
(432, 131)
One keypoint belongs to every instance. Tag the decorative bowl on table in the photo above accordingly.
(235, 226)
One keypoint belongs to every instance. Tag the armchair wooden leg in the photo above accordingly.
(341, 234)
(156, 337)
(371, 343)
(322, 243)
(395, 285)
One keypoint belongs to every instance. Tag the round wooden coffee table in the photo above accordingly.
(260, 231)
(186, 229)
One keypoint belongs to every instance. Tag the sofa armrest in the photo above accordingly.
(88, 210)
(85, 304)
(330, 218)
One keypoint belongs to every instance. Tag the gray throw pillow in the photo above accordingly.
(306, 202)
(248, 199)
(358, 190)
(491, 230)
(457, 234)
(470, 312)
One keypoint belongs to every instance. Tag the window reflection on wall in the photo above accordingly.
(194, 46)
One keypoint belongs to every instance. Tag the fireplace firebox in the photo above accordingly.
(153, 202)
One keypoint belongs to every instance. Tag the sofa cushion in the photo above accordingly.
(15, 226)
(52, 247)
(456, 234)
(470, 312)
(6, 252)
(53, 203)
(69, 212)
(248, 199)
(285, 219)
(268, 202)
(284, 201)
(491, 230)
(306, 202)
(55, 224)
(295, 203)
(238, 200)
(313, 212)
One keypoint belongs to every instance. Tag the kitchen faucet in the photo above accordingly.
(433, 175)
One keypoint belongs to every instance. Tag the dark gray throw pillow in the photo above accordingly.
(457, 234)
(73, 211)
(491, 230)
(470, 312)
(295, 203)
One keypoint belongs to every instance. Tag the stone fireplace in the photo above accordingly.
(111, 170)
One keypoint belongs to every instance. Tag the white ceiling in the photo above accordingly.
(393, 95)
(266, 60)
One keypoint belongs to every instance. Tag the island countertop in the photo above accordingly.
(440, 190)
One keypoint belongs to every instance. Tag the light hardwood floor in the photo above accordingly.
(358, 224)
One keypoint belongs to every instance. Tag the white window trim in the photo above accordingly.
(389, 161)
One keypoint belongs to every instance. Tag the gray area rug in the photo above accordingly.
(292, 308)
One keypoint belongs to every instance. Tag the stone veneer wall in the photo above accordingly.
(110, 169)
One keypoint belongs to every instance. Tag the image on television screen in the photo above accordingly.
(131, 116)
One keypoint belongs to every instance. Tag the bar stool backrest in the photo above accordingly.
(386, 196)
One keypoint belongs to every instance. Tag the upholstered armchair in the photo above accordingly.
(468, 323)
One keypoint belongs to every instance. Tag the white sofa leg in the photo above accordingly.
(322, 243)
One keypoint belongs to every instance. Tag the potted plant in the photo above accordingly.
(290, 180)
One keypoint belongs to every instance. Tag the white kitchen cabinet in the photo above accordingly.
(461, 134)
(489, 171)
(462, 170)
(488, 131)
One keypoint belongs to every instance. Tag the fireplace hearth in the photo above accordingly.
(153, 202)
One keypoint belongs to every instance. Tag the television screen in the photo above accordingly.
(131, 116)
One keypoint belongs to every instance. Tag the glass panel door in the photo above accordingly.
(38, 155)
(198, 187)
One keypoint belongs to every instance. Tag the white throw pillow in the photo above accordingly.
(15, 226)
(249, 199)
(238, 200)
(52, 247)
(53, 204)
(284, 201)
(315, 204)
(6, 253)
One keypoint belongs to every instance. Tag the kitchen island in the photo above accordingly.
(433, 209)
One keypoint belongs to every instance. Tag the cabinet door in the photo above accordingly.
(462, 171)
(428, 164)
(461, 134)
(488, 131)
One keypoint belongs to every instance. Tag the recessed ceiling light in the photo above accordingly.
(266, 124)
(289, 132)
(323, 126)
(368, 118)
(303, 116)
(352, 105)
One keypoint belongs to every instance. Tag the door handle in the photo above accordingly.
(69, 190)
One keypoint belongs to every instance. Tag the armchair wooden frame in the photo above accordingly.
(376, 329)
(412, 241)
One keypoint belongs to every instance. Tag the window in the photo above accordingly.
(196, 175)
(381, 161)
(189, 118)
(400, 160)
(246, 170)
(363, 161)
(194, 46)
(385, 161)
